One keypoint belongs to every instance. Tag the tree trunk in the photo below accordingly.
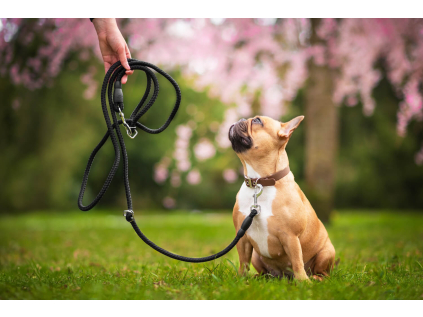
(321, 120)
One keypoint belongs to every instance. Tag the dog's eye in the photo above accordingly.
(257, 120)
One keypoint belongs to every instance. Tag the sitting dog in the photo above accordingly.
(286, 238)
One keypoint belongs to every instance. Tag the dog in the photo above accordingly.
(286, 238)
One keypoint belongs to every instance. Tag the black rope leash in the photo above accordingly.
(112, 85)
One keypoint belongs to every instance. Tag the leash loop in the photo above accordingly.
(112, 83)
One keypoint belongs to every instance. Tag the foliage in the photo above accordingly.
(49, 76)
(47, 148)
(372, 168)
(240, 59)
(78, 256)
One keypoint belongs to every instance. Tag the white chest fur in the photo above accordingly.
(258, 230)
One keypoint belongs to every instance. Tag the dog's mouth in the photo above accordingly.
(238, 135)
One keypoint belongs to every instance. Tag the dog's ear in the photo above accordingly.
(288, 127)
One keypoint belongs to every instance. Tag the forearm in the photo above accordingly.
(103, 25)
(113, 46)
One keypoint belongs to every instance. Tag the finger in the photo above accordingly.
(122, 57)
(124, 79)
(128, 53)
(107, 67)
(109, 60)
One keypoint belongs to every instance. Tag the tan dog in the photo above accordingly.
(286, 236)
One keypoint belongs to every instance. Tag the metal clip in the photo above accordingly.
(258, 190)
(129, 215)
(127, 127)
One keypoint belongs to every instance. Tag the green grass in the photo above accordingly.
(97, 255)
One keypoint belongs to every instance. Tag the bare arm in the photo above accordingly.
(113, 46)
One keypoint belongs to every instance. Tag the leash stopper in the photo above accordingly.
(118, 96)
(129, 215)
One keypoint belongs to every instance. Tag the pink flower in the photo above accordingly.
(88, 79)
(183, 165)
(204, 150)
(161, 170)
(230, 175)
(194, 177)
(169, 202)
(160, 174)
(352, 101)
(419, 157)
(184, 132)
(181, 153)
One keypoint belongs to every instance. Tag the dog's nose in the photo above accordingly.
(240, 120)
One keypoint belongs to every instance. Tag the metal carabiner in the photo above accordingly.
(258, 190)
(126, 125)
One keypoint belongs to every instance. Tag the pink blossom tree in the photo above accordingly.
(242, 62)
(239, 57)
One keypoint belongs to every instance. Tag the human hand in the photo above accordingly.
(113, 46)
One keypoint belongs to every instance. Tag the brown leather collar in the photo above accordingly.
(266, 181)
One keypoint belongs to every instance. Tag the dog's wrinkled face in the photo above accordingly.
(261, 134)
(239, 136)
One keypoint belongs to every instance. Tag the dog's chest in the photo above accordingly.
(258, 230)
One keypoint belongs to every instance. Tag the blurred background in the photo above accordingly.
(357, 81)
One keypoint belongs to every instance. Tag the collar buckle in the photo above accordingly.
(250, 182)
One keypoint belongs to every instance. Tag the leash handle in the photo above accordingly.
(112, 83)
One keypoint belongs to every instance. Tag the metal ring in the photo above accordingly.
(129, 130)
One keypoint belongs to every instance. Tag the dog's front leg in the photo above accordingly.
(245, 251)
(292, 247)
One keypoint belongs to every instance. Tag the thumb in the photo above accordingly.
(122, 57)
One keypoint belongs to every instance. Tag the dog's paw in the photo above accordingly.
(317, 278)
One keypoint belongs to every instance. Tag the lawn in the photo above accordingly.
(96, 255)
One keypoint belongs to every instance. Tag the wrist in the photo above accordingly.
(103, 25)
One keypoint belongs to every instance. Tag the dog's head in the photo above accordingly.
(261, 135)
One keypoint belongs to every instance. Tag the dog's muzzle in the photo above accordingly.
(238, 135)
